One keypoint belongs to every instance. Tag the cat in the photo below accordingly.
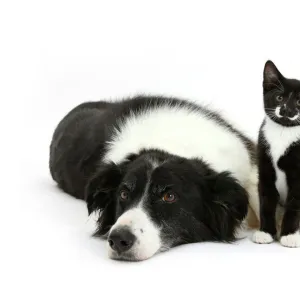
(279, 159)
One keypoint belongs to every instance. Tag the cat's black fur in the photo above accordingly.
(283, 94)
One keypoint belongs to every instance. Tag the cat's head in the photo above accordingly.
(281, 97)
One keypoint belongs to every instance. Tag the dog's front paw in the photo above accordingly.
(291, 240)
(261, 237)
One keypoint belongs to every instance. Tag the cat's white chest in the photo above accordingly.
(280, 139)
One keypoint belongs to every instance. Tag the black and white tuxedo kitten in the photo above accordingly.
(279, 159)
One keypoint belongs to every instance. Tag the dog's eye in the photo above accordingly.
(279, 98)
(124, 195)
(169, 197)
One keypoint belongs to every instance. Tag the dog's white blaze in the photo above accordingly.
(185, 133)
(279, 139)
(146, 232)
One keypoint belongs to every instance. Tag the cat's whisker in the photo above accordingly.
(272, 117)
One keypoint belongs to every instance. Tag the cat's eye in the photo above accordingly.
(169, 197)
(124, 195)
(279, 98)
(298, 102)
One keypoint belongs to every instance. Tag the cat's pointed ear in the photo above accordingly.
(272, 76)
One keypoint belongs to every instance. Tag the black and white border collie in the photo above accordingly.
(157, 172)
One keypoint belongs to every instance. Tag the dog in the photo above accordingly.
(158, 172)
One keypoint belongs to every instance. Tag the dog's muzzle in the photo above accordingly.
(134, 236)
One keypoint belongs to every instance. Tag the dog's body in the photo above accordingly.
(162, 172)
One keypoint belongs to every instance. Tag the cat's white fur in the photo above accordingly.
(291, 240)
(261, 237)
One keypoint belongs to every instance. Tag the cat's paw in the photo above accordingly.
(291, 240)
(261, 237)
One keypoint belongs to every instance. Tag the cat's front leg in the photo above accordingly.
(290, 236)
(268, 197)
(267, 232)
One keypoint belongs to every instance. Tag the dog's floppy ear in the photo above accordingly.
(100, 187)
(227, 206)
(100, 195)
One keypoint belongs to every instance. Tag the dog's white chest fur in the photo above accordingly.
(280, 138)
(185, 133)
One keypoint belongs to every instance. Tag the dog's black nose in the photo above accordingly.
(121, 240)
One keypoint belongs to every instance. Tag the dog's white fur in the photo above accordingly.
(183, 132)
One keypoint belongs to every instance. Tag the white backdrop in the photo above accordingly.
(57, 54)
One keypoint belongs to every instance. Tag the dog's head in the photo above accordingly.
(155, 201)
